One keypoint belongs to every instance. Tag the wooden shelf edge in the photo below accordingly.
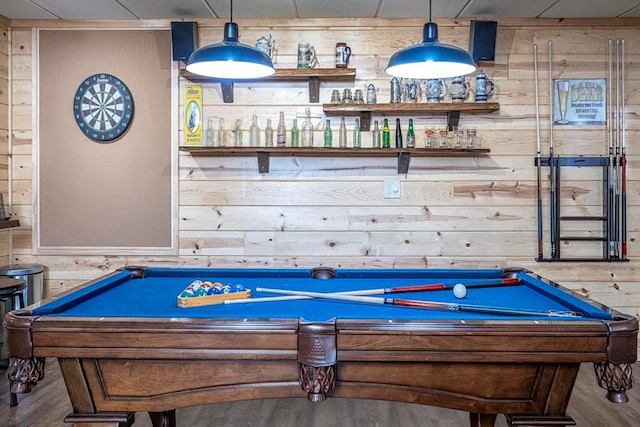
(198, 150)
(9, 223)
(406, 108)
(284, 74)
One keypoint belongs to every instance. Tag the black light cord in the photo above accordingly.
(231, 13)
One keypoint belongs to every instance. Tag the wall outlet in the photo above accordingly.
(392, 189)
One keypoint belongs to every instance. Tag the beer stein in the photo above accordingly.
(436, 89)
(459, 89)
(396, 91)
(267, 45)
(306, 56)
(343, 54)
(482, 81)
(410, 90)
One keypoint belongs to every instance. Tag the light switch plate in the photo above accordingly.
(392, 189)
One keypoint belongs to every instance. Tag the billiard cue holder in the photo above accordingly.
(187, 302)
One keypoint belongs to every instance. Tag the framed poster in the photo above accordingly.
(579, 102)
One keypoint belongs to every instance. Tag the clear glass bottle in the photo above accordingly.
(375, 135)
(208, 141)
(281, 133)
(356, 135)
(386, 134)
(295, 134)
(307, 130)
(342, 134)
(222, 140)
(268, 134)
(411, 136)
(328, 134)
(237, 134)
(254, 132)
(398, 134)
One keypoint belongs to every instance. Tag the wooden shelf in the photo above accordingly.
(9, 223)
(451, 109)
(312, 75)
(263, 153)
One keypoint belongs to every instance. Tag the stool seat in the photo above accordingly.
(10, 286)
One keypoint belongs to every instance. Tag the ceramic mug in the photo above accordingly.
(306, 56)
(482, 82)
(343, 54)
(267, 45)
(436, 90)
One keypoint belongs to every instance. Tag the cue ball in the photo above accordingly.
(460, 290)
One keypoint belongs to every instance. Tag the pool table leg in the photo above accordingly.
(482, 420)
(163, 419)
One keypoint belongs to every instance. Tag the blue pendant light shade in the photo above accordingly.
(430, 59)
(230, 59)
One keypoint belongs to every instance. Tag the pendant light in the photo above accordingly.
(430, 59)
(230, 59)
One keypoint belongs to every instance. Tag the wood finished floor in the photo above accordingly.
(47, 405)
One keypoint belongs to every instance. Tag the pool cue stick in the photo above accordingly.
(431, 304)
(623, 165)
(552, 166)
(616, 171)
(610, 125)
(539, 156)
(380, 291)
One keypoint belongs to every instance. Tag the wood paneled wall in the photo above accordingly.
(454, 212)
(4, 132)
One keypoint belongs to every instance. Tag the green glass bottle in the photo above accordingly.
(328, 134)
(411, 136)
(386, 135)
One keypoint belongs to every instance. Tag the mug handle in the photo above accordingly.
(490, 83)
(312, 57)
(467, 91)
(445, 88)
(347, 51)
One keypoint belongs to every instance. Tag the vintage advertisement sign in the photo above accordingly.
(193, 114)
(579, 102)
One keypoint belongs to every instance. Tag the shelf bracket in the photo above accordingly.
(263, 161)
(453, 118)
(365, 121)
(404, 157)
(227, 91)
(314, 89)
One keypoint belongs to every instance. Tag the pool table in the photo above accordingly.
(124, 346)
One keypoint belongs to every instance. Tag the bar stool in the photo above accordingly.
(12, 296)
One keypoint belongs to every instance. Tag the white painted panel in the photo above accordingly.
(251, 9)
(85, 9)
(420, 8)
(337, 8)
(22, 9)
(589, 8)
(159, 9)
(506, 8)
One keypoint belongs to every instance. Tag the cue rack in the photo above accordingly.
(612, 169)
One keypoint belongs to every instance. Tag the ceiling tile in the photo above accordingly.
(589, 8)
(20, 9)
(420, 8)
(506, 8)
(252, 9)
(85, 9)
(337, 8)
(159, 9)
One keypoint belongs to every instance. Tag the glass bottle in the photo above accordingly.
(237, 134)
(375, 135)
(281, 133)
(328, 134)
(411, 136)
(268, 135)
(398, 134)
(295, 134)
(307, 130)
(356, 135)
(254, 133)
(386, 136)
(342, 134)
(209, 133)
(222, 140)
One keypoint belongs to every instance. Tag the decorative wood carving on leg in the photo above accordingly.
(617, 378)
(317, 356)
(24, 373)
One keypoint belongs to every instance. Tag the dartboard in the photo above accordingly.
(103, 107)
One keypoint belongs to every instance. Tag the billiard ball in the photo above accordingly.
(459, 290)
